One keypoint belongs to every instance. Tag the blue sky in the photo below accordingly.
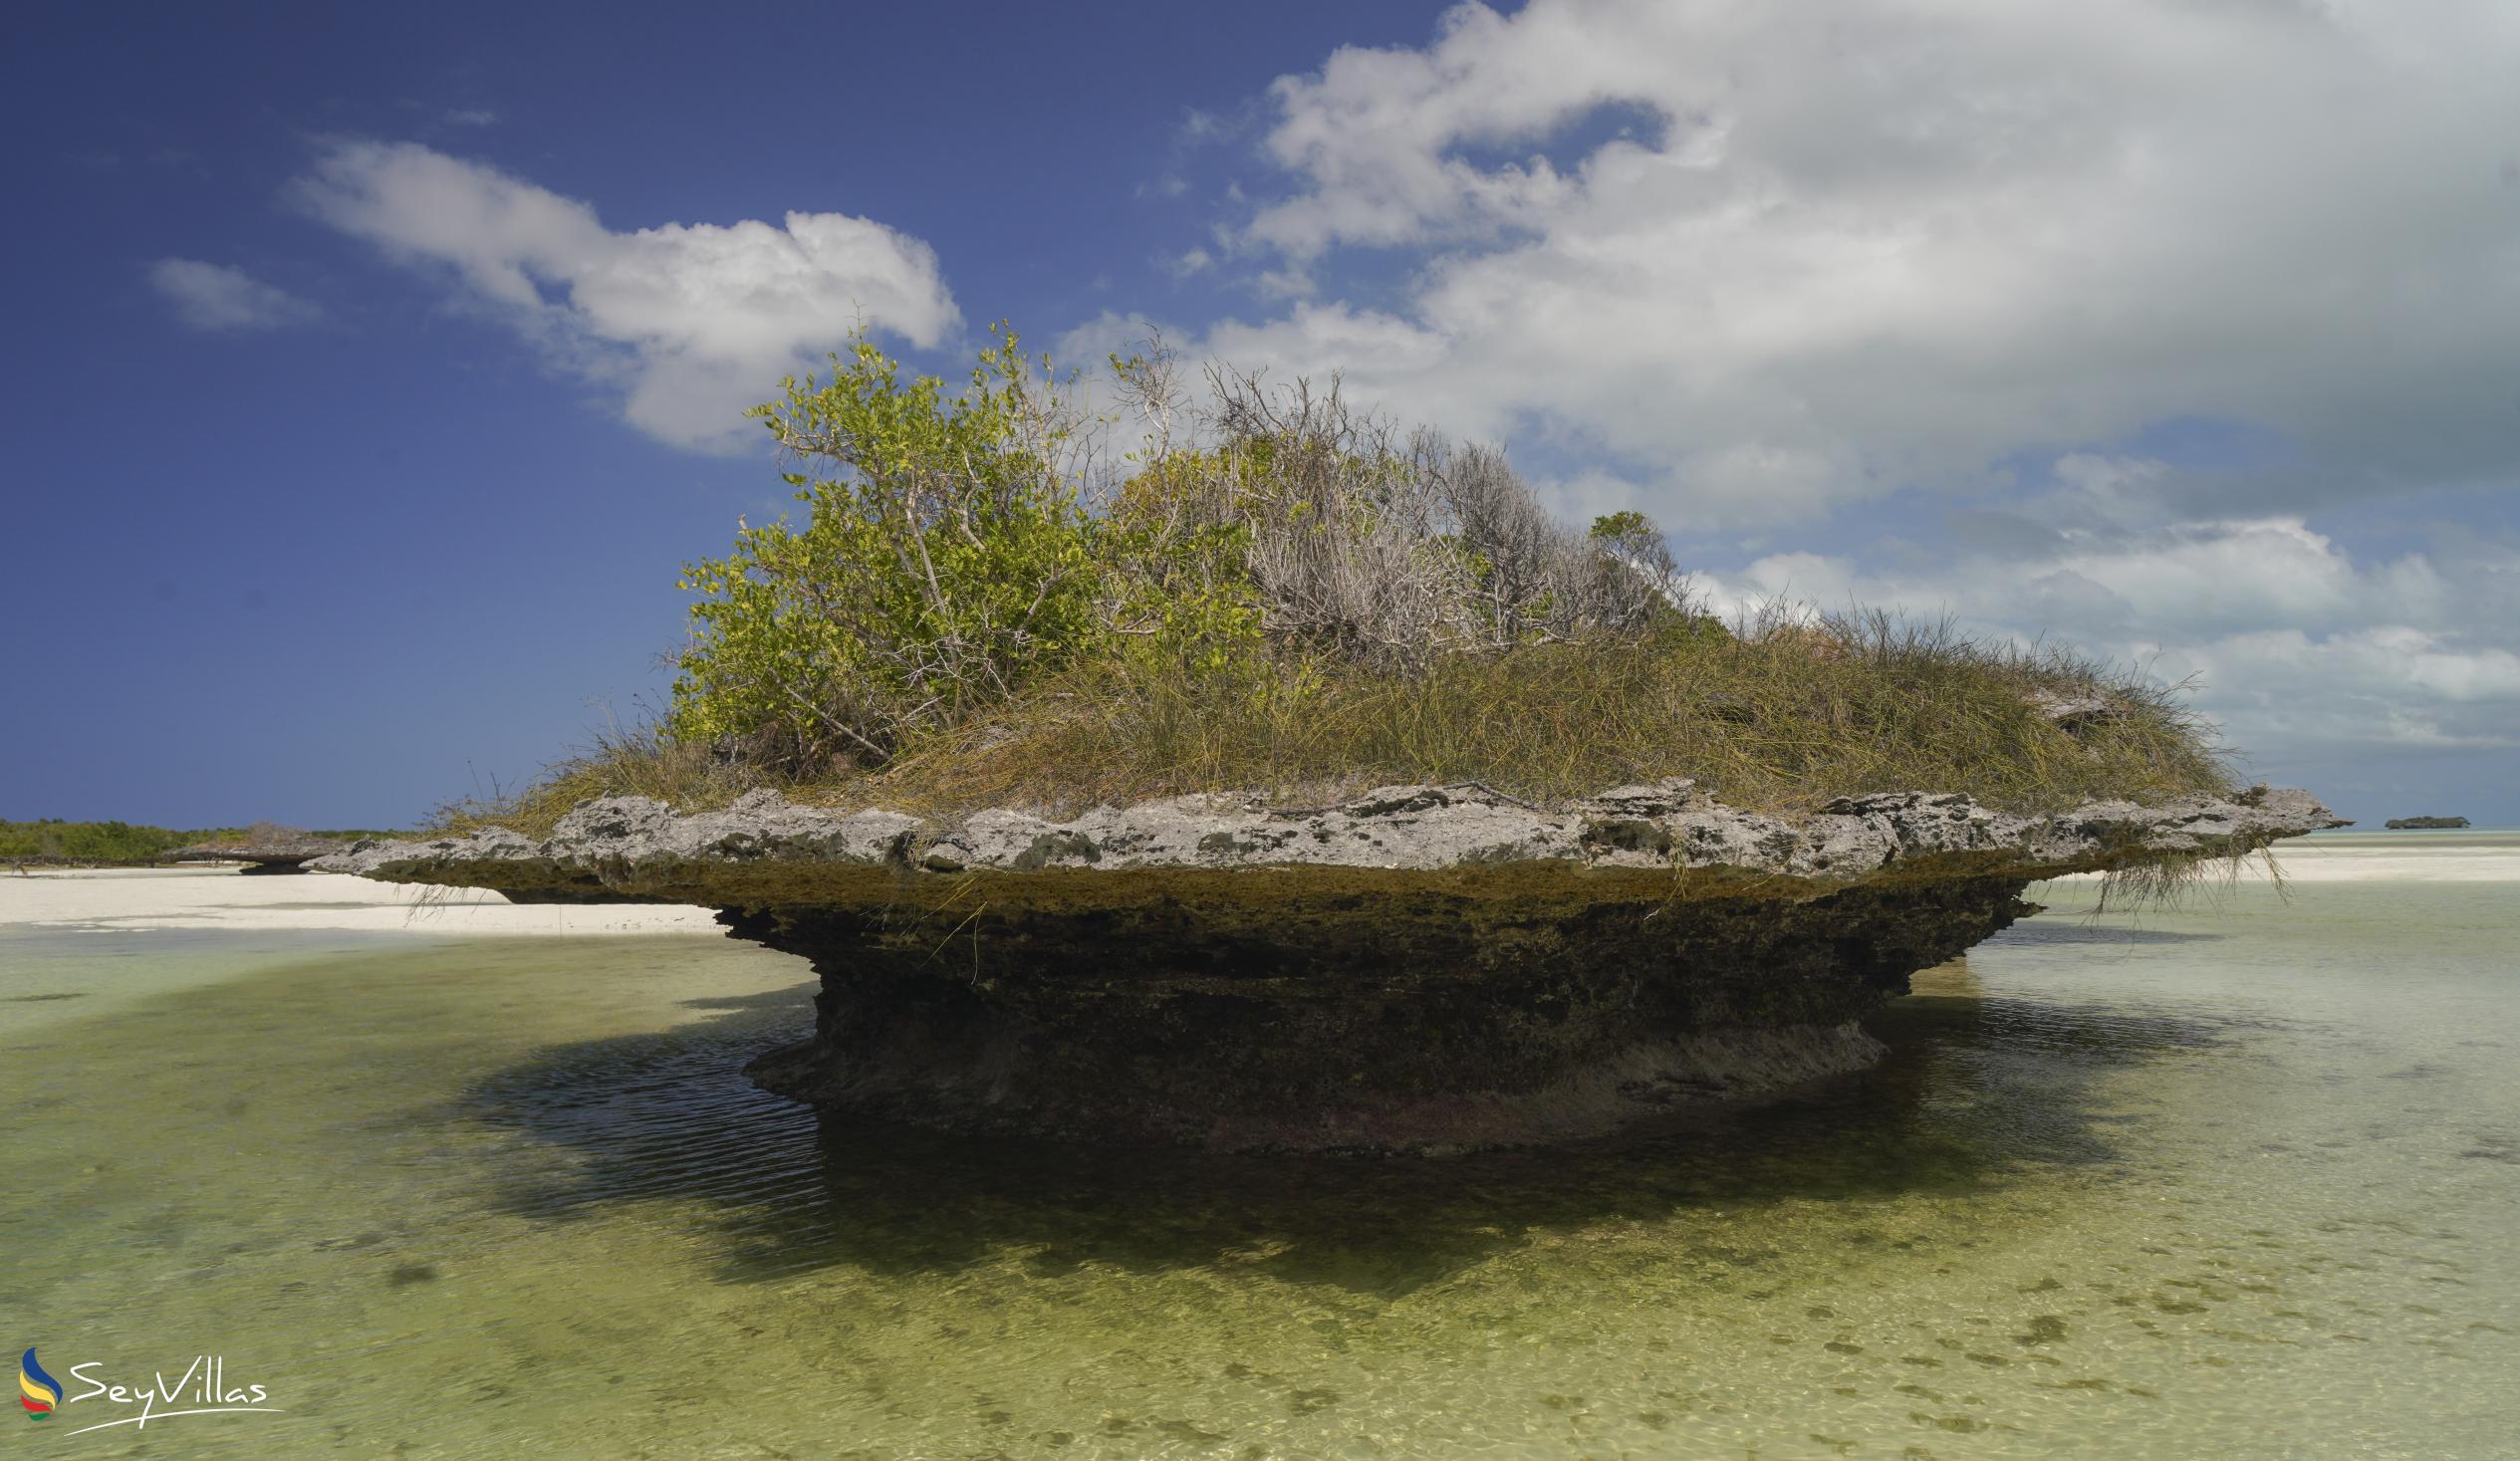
(369, 372)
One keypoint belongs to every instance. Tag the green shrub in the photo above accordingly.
(958, 550)
(945, 561)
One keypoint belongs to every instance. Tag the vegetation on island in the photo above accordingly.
(53, 841)
(982, 602)
(112, 844)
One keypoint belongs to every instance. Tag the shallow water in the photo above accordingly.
(2232, 1183)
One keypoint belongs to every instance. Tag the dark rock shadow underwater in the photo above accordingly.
(1976, 1092)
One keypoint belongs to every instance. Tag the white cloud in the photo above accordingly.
(222, 296)
(1879, 243)
(690, 322)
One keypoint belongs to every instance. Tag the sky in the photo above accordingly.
(371, 371)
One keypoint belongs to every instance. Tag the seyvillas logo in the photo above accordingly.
(39, 1392)
(202, 1389)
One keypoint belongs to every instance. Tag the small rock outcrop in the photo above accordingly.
(1421, 968)
(265, 847)
(2426, 823)
(2075, 714)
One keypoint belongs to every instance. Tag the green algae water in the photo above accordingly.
(2241, 1182)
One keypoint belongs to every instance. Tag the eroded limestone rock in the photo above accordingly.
(1420, 968)
(264, 849)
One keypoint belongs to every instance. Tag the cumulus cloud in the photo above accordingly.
(222, 296)
(1875, 244)
(689, 322)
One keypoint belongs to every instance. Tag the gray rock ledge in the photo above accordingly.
(624, 845)
(275, 849)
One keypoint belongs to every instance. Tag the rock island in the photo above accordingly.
(1303, 785)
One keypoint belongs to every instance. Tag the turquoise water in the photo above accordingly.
(2242, 1183)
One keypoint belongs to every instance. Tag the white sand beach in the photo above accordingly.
(2477, 855)
(223, 897)
(2397, 857)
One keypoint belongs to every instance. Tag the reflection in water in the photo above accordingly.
(2239, 1187)
(650, 1120)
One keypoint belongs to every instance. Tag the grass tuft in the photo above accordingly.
(1780, 714)
(623, 761)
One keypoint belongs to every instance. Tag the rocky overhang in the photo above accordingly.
(1421, 968)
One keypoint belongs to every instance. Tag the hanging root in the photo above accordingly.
(2149, 881)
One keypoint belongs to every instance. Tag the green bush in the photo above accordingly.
(957, 551)
(944, 561)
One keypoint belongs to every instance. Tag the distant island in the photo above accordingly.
(2426, 823)
(50, 841)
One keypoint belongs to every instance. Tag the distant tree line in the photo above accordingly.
(51, 839)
